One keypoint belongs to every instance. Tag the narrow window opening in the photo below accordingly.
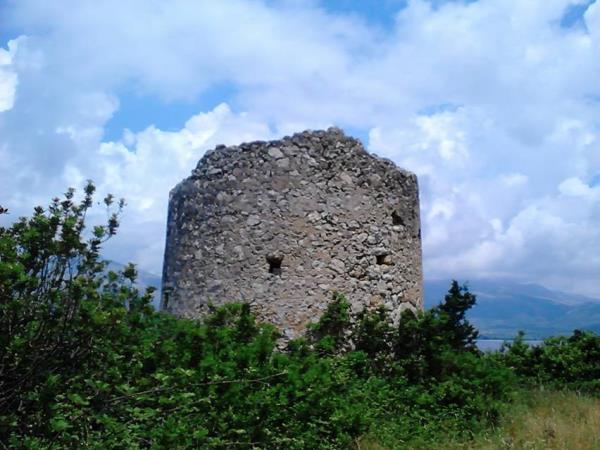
(165, 304)
(381, 259)
(274, 264)
(396, 219)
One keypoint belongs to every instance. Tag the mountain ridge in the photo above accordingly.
(503, 308)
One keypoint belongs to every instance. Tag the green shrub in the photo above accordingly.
(561, 362)
(86, 362)
(426, 343)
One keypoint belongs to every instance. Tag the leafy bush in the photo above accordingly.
(560, 361)
(86, 362)
(330, 333)
(427, 343)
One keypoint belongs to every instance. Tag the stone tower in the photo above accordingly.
(283, 224)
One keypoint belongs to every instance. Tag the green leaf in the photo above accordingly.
(78, 399)
(59, 424)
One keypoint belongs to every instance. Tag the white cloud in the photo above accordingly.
(8, 77)
(492, 103)
(574, 187)
(145, 166)
(168, 157)
(513, 179)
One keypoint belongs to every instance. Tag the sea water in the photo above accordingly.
(492, 345)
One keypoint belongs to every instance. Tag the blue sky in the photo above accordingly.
(492, 103)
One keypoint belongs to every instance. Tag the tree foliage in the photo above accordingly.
(428, 341)
(86, 362)
(56, 298)
(560, 361)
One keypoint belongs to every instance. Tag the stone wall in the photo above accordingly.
(283, 224)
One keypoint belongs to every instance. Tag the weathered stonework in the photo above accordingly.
(283, 224)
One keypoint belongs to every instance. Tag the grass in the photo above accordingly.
(549, 420)
(538, 420)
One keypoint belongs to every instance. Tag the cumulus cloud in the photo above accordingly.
(8, 78)
(493, 103)
(145, 166)
(513, 179)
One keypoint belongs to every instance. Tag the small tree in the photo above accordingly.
(461, 334)
(56, 294)
(427, 343)
(373, 334)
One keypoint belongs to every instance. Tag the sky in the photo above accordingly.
(494, 104)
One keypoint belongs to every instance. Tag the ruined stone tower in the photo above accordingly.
(283, 224)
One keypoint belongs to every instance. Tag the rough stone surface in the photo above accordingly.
(283, 224)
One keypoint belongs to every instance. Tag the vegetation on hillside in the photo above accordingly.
(85, 361)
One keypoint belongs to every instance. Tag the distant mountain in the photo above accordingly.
(504, 307)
